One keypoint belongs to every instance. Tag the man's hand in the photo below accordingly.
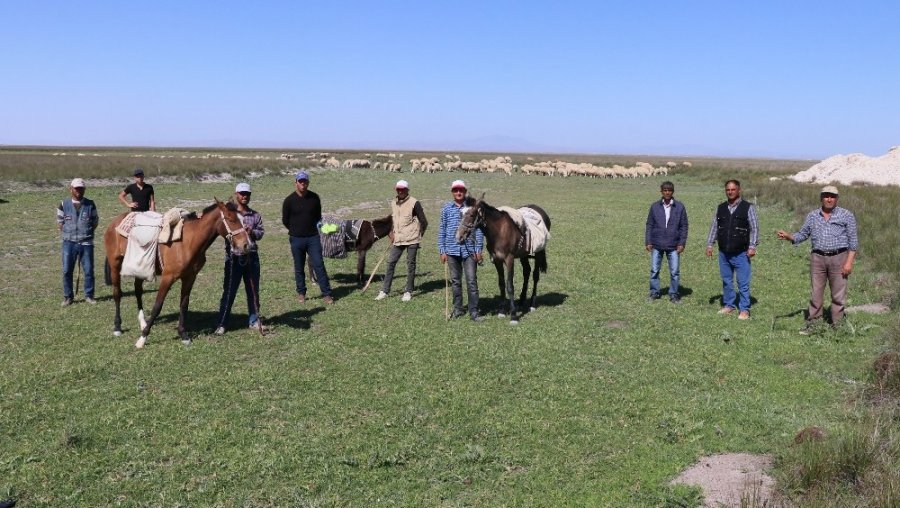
(679, 249)
(478, 257)
(751, 252)
(709, 251)
(443, 258)
(649, 247)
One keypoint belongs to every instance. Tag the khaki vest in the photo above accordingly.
(406, 224)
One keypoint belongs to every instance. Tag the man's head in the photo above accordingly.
(732, 190)
(302, 181)
(138, 174)
(77, 189)
(667, 189)
(458, 189)
(402, 188)
(242, 193)
(829, 196)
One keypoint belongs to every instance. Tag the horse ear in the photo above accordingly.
(481, 198)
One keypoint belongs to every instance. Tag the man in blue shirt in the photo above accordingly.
(460, 256)
(832, 231)
(666, 235)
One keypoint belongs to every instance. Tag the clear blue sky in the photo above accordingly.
(800, 79)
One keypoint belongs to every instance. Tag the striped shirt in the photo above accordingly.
(838, 232)
(751, 217)
(451, 216)
(253, 220)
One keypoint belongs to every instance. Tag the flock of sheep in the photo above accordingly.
(504, 164)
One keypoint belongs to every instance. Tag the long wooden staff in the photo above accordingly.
(375, 270)
(447, 291)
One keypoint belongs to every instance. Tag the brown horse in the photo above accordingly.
(506, 243)
(369, 233)
(181, 259)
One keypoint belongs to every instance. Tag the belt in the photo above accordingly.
(829, 252)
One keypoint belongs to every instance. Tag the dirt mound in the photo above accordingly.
(856, 167)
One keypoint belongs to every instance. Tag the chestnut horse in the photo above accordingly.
(369, 233)
(506, 243)
(180, 259)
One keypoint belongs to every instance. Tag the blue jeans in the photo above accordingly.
(457, 266)
(731, 263)
(656, 256)
(237, 269)
(70, 252)
(396, 252)
(302, 246)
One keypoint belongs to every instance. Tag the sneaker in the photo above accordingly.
(652, 298)
(457, 313)
(257, 326)
(328, 300)
(220, 330)
(806, 330)
(406, 297)
(301, 298)
(475, 317)
(726, 310)
(381, 295)
(675, 299)
(66, 302)
(744, 315)
(90, 300)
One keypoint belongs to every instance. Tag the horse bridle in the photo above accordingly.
(232, 232)
(477, 221)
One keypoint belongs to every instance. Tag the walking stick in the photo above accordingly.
(375, 270)
(78, 276)
(447, 291)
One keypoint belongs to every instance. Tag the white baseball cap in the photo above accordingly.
(402, 184)
(242, 187)
(78, 182)
(458, 184)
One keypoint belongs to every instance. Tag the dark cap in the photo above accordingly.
(138, 172)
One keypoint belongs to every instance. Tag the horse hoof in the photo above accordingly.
(140, 342)
(531, 309)
(141, 319)
(117, 333)
(500, 314)
(187, 342)
(513, 321)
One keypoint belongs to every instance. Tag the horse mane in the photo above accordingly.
(194, 215)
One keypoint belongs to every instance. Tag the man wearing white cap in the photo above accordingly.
(832, 231)
(242, 266)
(409, 224)
(463, 257)
(77, 218)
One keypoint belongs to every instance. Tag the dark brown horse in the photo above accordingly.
(369, 233)
(181, 259)
(506, 243)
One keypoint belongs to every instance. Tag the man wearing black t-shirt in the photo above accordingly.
(142, 198)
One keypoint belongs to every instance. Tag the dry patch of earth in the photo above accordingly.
(729, 478)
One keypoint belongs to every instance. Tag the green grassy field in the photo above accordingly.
(596, 399)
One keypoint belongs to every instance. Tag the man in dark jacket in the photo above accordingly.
(666, 235)
(301, 213)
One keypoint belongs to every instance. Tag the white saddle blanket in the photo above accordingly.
(528, 219)
(140, 253)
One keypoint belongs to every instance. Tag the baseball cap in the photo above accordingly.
(302, 175)
(78, 182)
(458, 184)
(242, 187)
(830, 189)
(402, 184)
(138, 172)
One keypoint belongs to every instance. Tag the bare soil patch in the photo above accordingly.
(727, 478)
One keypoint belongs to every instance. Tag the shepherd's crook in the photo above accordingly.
(447, 291)
(375, 270)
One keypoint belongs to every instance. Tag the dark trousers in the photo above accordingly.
(396, 251)
(302, 246)
(71, 251)
(237, 269)
(458, 265)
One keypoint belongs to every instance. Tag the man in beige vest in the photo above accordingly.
(409, 226)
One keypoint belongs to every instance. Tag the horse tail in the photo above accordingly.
(107, 273)
(540, 261)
